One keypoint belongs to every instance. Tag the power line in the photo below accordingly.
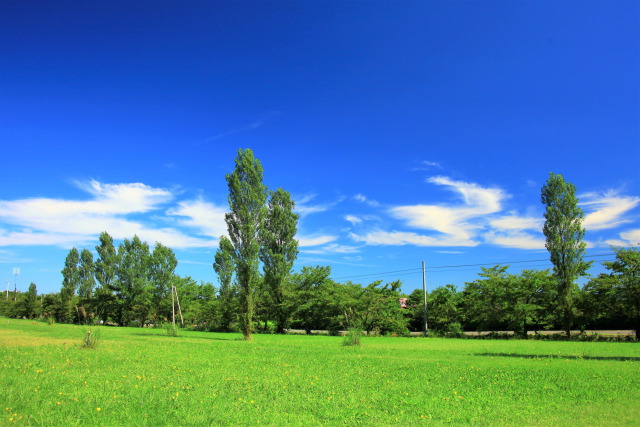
(379, 274)
(432, 268)
(508, 262)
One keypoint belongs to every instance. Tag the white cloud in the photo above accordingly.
(514, 231)
(333, 248)
(364, 199)
(607, 210)
(306, 241)
(515, 239)
(353, 219)
(515, 222)
(400, 238)
(627, 238)
(203, 216)
(426, 165)
(458, 224)
(303, 208)
(631, 236)
(43, 221)
(124, 198)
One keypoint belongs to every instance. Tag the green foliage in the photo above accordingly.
(162, 265)
(105, 272)
(70, 284)
(613, 299)
(564, 233)
(502, 301)
(132, 287)
(247, 199)
(352, 337)
(316, 299)
(31, 302)
(278, 252)
(171, 329)
(224, 267)
(443, 307)
(86, 279)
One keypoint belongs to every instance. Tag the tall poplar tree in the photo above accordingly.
(31, 301)
(564, 233)
(133, 279)
(279, 251)
(162, 267)
(70, 284)
(105, 272)
(247, 199)
(224, 266)
(86, 280)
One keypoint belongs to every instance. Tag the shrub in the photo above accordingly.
(90, 338)
(352, 337)
(454, 330)
(172, 330)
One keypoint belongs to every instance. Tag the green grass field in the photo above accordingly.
(144, 377)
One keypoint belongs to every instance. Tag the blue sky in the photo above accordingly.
(405, 131)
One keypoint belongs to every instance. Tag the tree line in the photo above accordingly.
(529, 301)
(257, 289)
(310, 300)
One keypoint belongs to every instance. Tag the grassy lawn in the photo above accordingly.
(144, 377)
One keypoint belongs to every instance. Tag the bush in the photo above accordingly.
(352, 337)
(172, 330)
(90, 338)
(454, 330)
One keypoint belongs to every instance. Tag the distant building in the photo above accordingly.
(403, 302)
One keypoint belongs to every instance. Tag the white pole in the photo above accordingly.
(179, 309)
(173, 306)
(424, 290)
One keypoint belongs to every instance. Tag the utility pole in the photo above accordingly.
(16, 272)
(424, 290)
(173, 307)
(8, 281)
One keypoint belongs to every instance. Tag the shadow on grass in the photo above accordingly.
(561, 356)
(164, 335)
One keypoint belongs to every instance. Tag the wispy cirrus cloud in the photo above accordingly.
(364, 199)
(333, 248)
(315, 240)
(304, 205)
(479, 217)
(455, 224)
(264, 119)
(427, 165)
(401, 238)
(607, 210)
